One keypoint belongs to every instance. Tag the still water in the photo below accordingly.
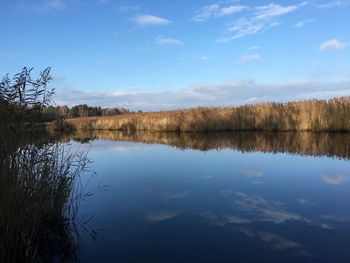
(223, 197)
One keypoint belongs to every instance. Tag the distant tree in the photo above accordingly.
(63, 111)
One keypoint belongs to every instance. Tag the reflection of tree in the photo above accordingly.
(303, 143)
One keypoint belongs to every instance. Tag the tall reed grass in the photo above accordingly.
(308, 115)
(39, 194)
(38, 198)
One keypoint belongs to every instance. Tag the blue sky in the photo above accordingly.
(156, 54)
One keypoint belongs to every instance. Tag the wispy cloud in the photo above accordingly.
(305, 201)
(303, 23)
(168, 196)
(260, 19)
(154, 217)
(193, 57)
(251, 173)
(149, 20)
(254, 47)
(5, 56)
(126, 8)
(51, 5)
(258, 208)
(215, 10)
(332, 3)
(223, 220)
(229, 10)
(103, 61)
(162, 41)
(334, 179)
(219, 94)
(273, 241)
(102, 2)
(273, 10)
(248, 58)
(332, 44)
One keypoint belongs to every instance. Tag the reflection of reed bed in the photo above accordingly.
(303, 143)
(309, 115)
(38, 198)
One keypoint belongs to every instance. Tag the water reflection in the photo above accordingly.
(222, 199)
(334, 179)
(302, 143)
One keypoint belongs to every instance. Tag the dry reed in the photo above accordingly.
(308, 115)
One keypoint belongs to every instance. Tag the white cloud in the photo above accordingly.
(261, 19)
(219, 94)
(303, 23)
(168, 41)
(52, 5)
(215, 10)
(149, 20)
(332, 44)
(248, 58)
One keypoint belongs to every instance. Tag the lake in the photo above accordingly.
(216, 197)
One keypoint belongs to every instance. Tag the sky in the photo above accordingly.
(156, 55)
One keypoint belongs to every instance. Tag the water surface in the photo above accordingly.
(227, 197)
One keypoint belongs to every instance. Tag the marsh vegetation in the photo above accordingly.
(38, 177)
(308, 115)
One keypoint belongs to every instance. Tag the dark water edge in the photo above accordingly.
(329, 144)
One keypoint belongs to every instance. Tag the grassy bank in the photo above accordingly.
(308, 115)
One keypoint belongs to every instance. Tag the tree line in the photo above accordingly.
(82, 110)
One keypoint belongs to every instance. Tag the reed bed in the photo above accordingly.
(39, 197)
(40, 188)
(307, 115)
